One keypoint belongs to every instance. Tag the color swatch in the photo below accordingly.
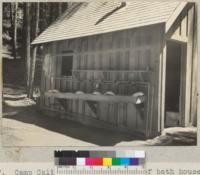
(99, 158)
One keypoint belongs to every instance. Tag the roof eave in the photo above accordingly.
(174, 16)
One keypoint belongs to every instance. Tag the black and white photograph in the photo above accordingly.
(99, 73)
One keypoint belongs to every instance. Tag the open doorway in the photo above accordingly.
(173, 92)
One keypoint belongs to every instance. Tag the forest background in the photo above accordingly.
(22, 22)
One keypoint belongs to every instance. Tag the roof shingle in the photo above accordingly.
(101, 17)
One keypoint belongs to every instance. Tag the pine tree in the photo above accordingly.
(15, 30)
(28, 54)
(33, 63)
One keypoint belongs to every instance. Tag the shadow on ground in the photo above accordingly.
(18, 107)
(30, 115)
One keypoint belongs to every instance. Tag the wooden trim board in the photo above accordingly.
(91, 97)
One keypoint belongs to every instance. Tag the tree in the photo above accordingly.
(59, 8)
(15, 31)
(13, 22)
(33, 63)
(28, 51)
(22, 22)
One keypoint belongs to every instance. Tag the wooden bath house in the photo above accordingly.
(126, 66)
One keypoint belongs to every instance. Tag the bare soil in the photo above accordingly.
(24, 125)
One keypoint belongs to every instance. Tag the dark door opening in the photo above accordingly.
(173, 83)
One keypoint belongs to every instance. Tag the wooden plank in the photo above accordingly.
(158, 57)
(179, 38)
(46, 101)
(125, 114)
(148, 59)
(92, 61)
(189, 66)
(81, 61)
(120, 114)
(111, 115)
(107, 41)
(100, 51)
(105, 61)
(57, 83)
(52, 83)
(80, 107)
(144, 60)
(85, 60)
(58, 68)
(42, 87)
(54, 62)
(89, 59)
(103, 111)
(131, 116)
(184, 28)
(140, 122)
(87, 110)
(63, 85)
(157, 83)
(69, 105)
(90, 43)
(112, 61)
(74, 107)
(195, 83)
(93, 109)
(174, 16)
(90, 97)
(132, 61)
(183, 84)
(127, 60)
(75, 62)
(121, 37)
(100, 60)
(113, 71)
(127, 36)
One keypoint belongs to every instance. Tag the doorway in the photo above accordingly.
(173, 84)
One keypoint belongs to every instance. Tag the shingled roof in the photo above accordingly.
(93, 18)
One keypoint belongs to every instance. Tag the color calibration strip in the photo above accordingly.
(99, 158)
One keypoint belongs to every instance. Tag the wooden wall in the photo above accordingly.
(123, 62)
(184, 31)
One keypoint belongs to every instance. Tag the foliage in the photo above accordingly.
(22, 22)
(48, 14)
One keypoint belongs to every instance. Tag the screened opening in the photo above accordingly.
(173, 77)
(174, 80)
(67, 65)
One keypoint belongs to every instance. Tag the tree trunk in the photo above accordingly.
(15, 31)
(11, 14)
(33, 63)
(52, 13)
(12, 21)
(24, 30)
(59, 8)
(28, 30)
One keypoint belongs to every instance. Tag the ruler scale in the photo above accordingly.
(99, 162)
(103, 171)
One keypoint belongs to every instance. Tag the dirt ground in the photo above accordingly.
(24, 125)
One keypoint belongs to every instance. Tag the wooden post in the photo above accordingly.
(189, 68)
(163, 60)
(194, 71)
(32, 74)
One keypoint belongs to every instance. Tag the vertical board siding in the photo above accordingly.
(183, 31)
(107, 59)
